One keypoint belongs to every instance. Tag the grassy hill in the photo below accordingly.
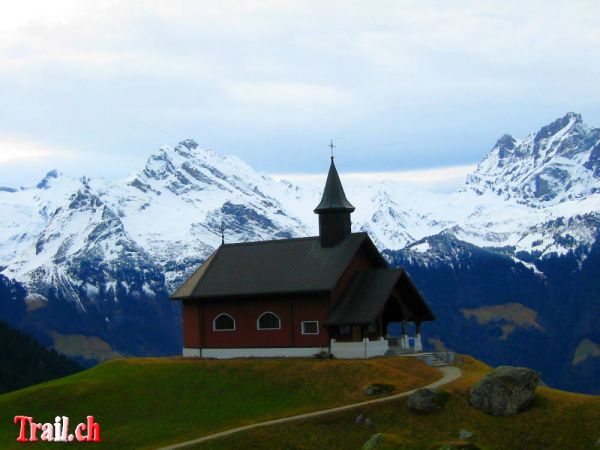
(147, 402)
(558, 420)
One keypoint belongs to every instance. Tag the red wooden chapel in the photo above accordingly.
(332, 293)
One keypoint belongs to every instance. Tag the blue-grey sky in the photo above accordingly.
(94, 86)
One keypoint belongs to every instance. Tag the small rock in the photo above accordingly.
(359, 419)
(369, 389)
(465, 434)
(377, 389)
(372, 442)
(368, 422)
(504, 391)
(426, 400)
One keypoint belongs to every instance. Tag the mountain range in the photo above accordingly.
(509, 262)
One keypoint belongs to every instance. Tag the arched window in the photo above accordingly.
(224, 322)
(268, 321)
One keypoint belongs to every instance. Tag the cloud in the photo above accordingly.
(293, 94)
(14, 150)
(23, 161)
(439, 179)
(420, 83)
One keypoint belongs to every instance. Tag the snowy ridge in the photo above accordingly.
(537, 196)
(165, 218)
(560, 162)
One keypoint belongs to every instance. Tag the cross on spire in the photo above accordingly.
(331, 146)
(222, 232)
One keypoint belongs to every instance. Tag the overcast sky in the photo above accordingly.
(93, 87)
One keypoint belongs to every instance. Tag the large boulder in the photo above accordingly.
(504, 391)
(426, 400)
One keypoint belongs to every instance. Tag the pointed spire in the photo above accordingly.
(334, 198)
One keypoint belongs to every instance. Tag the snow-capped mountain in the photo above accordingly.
(537, 195)
(167, 217)
(560, 162)
(88, 249)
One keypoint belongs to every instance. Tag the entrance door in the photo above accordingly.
(356, 333)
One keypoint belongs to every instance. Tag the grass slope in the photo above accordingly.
(144, 403)
(558, 420)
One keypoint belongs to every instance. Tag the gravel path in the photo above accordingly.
(450, 374)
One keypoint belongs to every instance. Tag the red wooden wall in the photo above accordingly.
(198, 322)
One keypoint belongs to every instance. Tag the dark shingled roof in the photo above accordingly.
(274, 267)
(367, 293)
(334, 198)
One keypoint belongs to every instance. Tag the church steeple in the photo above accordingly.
(334, 210)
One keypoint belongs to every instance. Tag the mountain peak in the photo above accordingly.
(569, 120)
(505, 145)
(188, 167)
(44, 183)
(557, 163)
(186, 150)
(573, 115)
(189, 143)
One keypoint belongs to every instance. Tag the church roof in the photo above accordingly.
(367, 293)
(334, 198)
(274, 267)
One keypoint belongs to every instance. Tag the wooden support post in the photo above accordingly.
(418, 343)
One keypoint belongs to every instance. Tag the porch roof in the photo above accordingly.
(367, 293)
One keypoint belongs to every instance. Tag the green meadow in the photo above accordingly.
(558, 420)
(148, 402)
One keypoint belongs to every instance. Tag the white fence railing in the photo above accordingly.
(361, 349)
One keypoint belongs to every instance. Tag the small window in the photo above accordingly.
(224, 322)
(310, 327)
(345, 330)
(268, 321)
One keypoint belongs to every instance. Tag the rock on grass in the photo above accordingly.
(505, 391)
(427, 400)
(377, 389)
(372, 442)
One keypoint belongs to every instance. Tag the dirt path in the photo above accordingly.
(450, 374)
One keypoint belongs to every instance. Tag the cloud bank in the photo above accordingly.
(399, 85)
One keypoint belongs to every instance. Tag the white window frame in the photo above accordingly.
(228, 329)
(309, 321)
(260, 317)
